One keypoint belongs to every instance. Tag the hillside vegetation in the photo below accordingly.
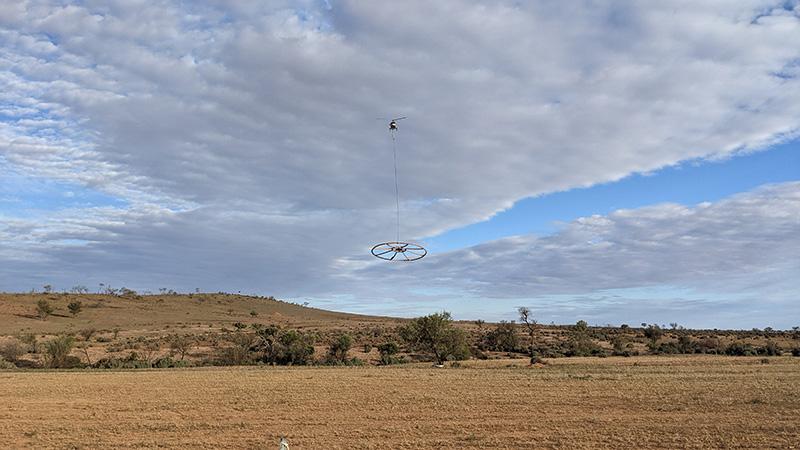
(125, 329)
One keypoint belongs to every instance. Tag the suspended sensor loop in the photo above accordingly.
(399, 251)
(396, 250)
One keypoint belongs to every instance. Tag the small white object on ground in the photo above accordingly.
(284, 444)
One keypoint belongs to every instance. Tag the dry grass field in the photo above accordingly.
(639, 402)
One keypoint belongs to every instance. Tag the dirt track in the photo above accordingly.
(648, 402)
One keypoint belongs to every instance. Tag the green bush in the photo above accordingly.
(6, 364)
(653, 333)
(132, 361)
(503, 338)
(387, 351)
(580, 343)
(75, 307)
(740, 349)
(57, 351)
(337, 350)
(297, 348)
(437, 336)
(43, 309)
(168, 362)
(770, 349)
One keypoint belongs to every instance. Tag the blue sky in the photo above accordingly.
(25, 196)
(687, 183)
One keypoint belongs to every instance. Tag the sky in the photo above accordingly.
(604, 161)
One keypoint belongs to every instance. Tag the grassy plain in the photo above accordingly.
(638, 402)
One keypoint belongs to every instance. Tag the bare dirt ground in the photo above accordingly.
(639, 402)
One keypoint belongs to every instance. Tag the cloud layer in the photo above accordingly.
(242, 136)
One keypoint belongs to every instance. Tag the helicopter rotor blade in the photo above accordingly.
(401, 118)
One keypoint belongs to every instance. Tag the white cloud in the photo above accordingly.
(242, 135)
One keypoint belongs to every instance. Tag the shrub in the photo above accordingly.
(132, 361)
(75, 307)
(167, 362)
(770, 349)
(653, 333)
(620, 345)
(181, 345)
(503, 338)
(337, 351)
(87, 333)
(740, 349)
(11, 351)
(580, 343)
(296, 348)
(43, 308)
(57, 352)
(710, 345)
(387, 351)
(796, 351)
(6, 364)
(436, 335)
(238, 353)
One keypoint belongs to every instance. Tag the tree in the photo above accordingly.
(43, 309)
(75, 307)
(47, 288)
(79, 289)
(526, 316)
(436, 335)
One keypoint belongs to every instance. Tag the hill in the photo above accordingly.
(147, 313)
(222, 329)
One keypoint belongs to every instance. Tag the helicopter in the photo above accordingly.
(393, 122)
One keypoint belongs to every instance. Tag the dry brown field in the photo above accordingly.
(639, 402)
